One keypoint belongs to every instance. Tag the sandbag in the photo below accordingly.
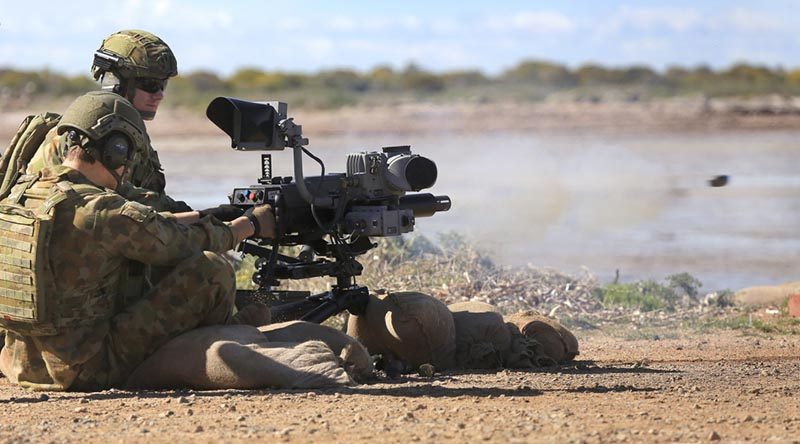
(414, 327)
(766, 294)
(525, 352)
(558, 342)
(355, 358)
(482, 337)
(237, 357)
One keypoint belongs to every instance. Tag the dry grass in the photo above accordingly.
(453, 269)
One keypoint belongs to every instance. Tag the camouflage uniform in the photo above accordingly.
(144, 180)
(102, 334)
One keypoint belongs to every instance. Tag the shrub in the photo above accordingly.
(645, 295)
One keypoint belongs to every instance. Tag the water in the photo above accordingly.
(637, 203)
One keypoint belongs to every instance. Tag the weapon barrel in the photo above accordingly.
(424, 204)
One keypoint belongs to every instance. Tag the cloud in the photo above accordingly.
(341, 23)
(210, 34)
(641, 48)
(167, 15)
(374, 24)
(318, 47)
(539, 22)
(746, 20)
(647, 19)
(445, 25)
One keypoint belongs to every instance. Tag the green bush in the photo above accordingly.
(686, 283)
(648, 295)
(644, 295)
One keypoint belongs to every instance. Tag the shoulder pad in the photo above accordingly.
(137, 211)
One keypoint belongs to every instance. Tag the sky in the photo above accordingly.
(443, 35)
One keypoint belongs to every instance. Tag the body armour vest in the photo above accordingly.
(29, 304)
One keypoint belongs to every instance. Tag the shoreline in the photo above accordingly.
(678, 114)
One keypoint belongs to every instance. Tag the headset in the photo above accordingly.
(113, 150)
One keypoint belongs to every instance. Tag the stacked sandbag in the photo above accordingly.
(483, 340)
(237, 357)
(413, 327)
(556, 341)
(526, 352)
(355, 358)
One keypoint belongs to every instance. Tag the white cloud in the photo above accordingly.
(444, 25)
(290, 24)
(645, 19)
(532, 21)
(25, 27)
(407, 23)
(411, 23)
(341, 23)
(642, 48)
(318, 47)
(745, 20)
(167, 15)
(162, 8)
(362, 45)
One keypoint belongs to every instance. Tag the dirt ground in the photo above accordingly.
(731, 386)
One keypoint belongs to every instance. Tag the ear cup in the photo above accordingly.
(115, 151)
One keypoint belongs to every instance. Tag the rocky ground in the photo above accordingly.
(722, 385)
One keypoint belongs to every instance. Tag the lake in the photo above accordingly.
(634, 202)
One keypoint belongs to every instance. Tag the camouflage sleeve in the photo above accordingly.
(159, 201)
(145, 171)
(138, 232)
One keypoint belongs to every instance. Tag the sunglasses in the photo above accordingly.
(151, 86)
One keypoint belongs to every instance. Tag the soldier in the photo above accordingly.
(136, 65)
(68, 240)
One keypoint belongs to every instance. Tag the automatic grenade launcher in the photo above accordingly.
(330, 217)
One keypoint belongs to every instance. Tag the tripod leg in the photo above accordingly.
(322, 312)
(353, 299)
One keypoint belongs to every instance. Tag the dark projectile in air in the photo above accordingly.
(719, 181)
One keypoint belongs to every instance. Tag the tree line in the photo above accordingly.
(528, 80)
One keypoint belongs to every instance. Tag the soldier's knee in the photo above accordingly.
(220, 268)
(214, 268)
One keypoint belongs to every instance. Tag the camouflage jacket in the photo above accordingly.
(93, 240)
(144, 180)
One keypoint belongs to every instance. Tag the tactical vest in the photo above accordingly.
(28, 303)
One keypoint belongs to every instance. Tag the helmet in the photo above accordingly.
(133, 53)
(130, 55)
(107, 127)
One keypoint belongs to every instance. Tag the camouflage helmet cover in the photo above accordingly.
(97, 114)
(134, 53)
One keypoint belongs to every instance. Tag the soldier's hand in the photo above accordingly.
(224, 212)
(263, 220)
